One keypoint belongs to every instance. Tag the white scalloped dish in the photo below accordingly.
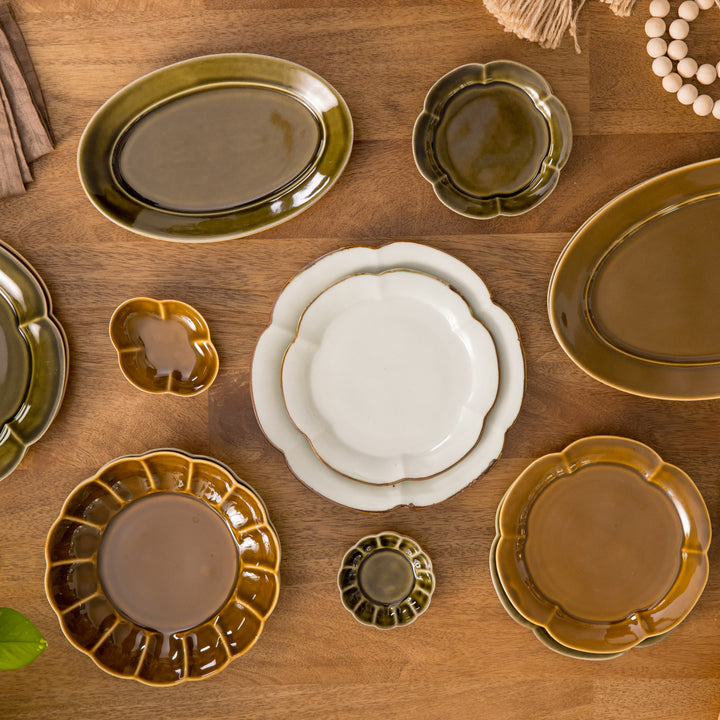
(390, 377)
(275, 422)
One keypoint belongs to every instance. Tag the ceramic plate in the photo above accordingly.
(33, 359)
(386, 581)
(163, 567)
(492, 139)
(633, 298)
(215, 147)
(603, 545)
(540, 632)
(390, 376)
(164, 346)
(280, 430)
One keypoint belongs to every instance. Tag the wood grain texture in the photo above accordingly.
(465, 658)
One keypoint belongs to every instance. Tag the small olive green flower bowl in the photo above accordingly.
(492, 139)
(386, 580)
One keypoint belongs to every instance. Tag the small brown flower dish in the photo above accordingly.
(164, 346)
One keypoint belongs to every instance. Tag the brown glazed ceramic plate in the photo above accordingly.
(603, 545)
(492, 139)
(540, 632)
(633, 298)
(164, 346)
(386, 580)
(215, 147)
(33, 359)
(163, 567)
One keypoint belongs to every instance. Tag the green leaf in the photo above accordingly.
(20, 641)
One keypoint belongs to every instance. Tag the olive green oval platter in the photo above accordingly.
(33, 359)
(215, 147)
(492, 139)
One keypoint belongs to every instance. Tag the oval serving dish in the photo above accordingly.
(164, 346)
(215, 147)
(386, 580)
(163, 567)
(424, 376)
(603, 545)
(492, 139)
(633, 297)
(33, 359)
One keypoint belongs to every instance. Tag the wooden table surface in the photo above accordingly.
(465, 658)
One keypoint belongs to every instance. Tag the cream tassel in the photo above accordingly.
(546, 21)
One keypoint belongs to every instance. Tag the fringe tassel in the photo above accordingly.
(623, 8)
(546, 21)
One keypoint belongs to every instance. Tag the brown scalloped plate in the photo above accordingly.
(603, 545)
(163, 567)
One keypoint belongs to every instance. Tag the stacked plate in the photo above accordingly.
(33, 359)
(600, 548)
(388, 376)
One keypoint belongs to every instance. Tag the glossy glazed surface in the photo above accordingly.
(390, 376)
(273, 343)
(164, 346)
(492, 139)
(603, 544)
(167, 561)
(215, 147)
(386, 580)
(633, 295)
(33, 359)
(158, 650)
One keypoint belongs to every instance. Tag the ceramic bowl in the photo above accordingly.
(603, 545)
(164, 346)
(386, 581)
(423, 376)
(33, 359)
(492, 139)
(163, 567)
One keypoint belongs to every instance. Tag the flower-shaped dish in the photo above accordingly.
(541, 633)
(423, 375)
(33, 359)
(603, 545)
(386, 580)
(271, 347)
(492, 139)
(164, 346)
(215, 147)
(163, 567)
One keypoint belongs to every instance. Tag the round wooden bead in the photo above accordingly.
(687, 94)
(717, 67)
(662, 65)
(706, 74)
(659, 8)
(679, 29)
(688, 10)
(672, 82)
(703, 105)
(656, 47)
(705, 4)
(676, 49)
(716, 109)
(687, 67)
(655, 27)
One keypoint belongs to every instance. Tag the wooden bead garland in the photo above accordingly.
(664, 53)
